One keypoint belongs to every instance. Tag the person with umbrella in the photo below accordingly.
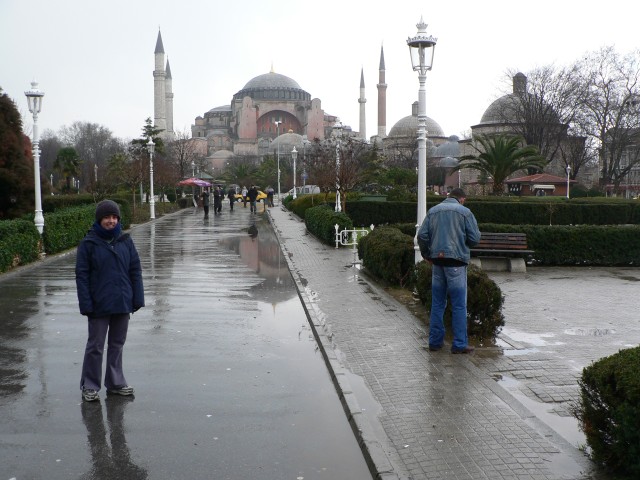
(217, 200)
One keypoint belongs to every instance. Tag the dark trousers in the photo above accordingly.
(112, 328)
(231, 201)
(206, 210)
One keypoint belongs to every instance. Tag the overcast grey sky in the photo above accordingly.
(94, 60)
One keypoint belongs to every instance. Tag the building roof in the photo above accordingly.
(271, 80)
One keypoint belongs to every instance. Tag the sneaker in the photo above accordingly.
(467, 349)
(124, 391)
(435, 348)
(89, 395)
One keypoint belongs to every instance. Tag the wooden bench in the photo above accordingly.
(501, 252)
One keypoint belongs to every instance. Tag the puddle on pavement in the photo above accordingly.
(590, 332)
(535, 339)
(566, 427)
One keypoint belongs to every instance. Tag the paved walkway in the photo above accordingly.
(424, 415)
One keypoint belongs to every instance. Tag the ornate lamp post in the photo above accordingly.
(34, 100)
(338, 133)
(278, 122)
(421, 48)
(294, 155)
(152, 202)
(568, 179)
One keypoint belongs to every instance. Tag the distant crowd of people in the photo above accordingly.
(247, 195)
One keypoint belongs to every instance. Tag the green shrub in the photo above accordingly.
(19, 243)
(609, 411)
(65, 228)
(388, 254)
(321, 221)
(484, 301)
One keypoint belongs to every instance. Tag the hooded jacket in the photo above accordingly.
(108, 276)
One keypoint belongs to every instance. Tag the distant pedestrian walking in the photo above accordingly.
(252, 195)
(444, 238)
(231, 195)
(217, 200)
(244, 196)
(205, 203)
(270, 193)
(109, 285)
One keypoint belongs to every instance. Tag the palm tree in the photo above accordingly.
(68, 164)
(500, 156)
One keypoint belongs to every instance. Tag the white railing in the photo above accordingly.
(348, 237)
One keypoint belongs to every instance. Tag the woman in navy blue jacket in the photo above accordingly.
(109, 284)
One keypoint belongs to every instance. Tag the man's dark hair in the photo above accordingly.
(457, 193)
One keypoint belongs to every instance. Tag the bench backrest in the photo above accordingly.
(502, 241)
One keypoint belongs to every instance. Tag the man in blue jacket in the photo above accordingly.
(109, 284)
(444, 238)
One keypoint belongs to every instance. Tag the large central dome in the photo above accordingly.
(272, 86)
(271, 80)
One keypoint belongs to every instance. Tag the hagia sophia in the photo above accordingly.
(272, 111)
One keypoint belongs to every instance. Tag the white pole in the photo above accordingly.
(568, 172)
(422, 160)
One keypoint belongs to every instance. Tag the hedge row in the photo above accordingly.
(321, 221)
(19, 243)
(512, 211)
(592, 245)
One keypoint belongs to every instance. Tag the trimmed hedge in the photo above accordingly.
(589, 245)
(388, 254)
(19, 243)
(65, 228)
(609, 411)
(321, 221)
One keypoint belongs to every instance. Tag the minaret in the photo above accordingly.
(159, 88)
(169, 103)
(362, 101)
(382, 98)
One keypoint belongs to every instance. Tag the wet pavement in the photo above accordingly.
(230, 383)
(502, 413)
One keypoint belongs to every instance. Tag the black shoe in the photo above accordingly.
(467, 349)
(124, 391)
(435, 348)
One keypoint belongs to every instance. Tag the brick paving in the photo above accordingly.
(425, 415)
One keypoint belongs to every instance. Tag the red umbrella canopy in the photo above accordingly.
(194, 182)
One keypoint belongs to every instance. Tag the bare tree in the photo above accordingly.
(182, 152)
(611, 112)
(542, 106)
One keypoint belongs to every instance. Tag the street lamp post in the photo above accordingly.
(568, 179)
(294, 155)
(338, 132)
(278, 122)
(95, 172)
(152, 202)
(34, 100)
(421, 48)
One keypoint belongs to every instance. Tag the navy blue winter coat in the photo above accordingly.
(108, 276)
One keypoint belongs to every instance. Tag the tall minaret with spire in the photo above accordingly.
(168, 86)
(362, 100)
(382, 98)
(159, 88)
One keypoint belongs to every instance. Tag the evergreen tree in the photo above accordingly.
(16, 168)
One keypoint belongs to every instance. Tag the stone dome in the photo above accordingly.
(272, 86)
(222, 108)
(450, 148)
(222, 154)
(287, 141)
(506, 108)
(408, 127)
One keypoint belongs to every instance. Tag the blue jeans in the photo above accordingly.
(450, 281)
